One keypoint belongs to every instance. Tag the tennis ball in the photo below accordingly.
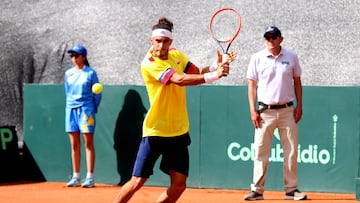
(97, 88)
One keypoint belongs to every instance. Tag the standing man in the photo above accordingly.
(274, 80)
(166, 71)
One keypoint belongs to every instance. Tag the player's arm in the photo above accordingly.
(199, 76)
(196, 75)
(231, 56)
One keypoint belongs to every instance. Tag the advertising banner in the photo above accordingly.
(222, 150)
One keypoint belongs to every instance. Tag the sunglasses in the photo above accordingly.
(274, 37)
(74, 55)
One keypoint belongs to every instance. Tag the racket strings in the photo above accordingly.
(225, 25)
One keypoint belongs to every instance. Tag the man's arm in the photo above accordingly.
(204, 75)
(298, 94)
(255, 117)
(198, 76)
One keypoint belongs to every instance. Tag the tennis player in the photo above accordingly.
(166, 71)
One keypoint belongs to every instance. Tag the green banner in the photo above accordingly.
(221, 131)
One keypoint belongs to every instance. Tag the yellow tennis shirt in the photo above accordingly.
(167, 116)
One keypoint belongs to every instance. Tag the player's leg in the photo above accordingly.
(129, 189)
(177, 187)
(175, 163)
(146, 158)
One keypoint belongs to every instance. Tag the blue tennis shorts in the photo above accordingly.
(81, 119)
(174, 151)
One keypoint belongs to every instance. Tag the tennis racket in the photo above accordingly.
(225, 25)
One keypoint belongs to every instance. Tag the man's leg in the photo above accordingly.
(177, 187)
(288, 131)
(129, 189)
(262, 143)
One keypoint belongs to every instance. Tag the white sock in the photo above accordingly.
(76, 175)
(89, 175)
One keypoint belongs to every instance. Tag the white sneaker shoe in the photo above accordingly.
(295, 195)
(74, 182)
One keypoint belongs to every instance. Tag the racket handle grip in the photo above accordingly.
(224, 58)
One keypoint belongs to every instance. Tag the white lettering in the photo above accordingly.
(309, 155)
(306, 155)
(230, 150)
(324, 156)
(245, 154)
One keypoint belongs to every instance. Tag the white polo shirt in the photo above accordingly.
(274, 75)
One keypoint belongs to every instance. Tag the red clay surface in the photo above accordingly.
(51, 192)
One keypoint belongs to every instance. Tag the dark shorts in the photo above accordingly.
(174, 151)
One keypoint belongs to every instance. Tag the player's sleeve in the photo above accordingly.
(155, 70)
(166, 75)
(161, 71)
(190, 68)
(185, 66)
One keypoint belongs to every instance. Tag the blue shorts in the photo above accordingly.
(174, 151)
(81, 119)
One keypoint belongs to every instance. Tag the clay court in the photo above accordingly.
(59, 193)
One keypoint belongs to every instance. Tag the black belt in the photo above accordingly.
(276, 106)
(263, 107)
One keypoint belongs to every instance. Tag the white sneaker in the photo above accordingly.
(295, 195)
(74, 182)
(88, 183)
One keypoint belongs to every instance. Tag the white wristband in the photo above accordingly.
(211, 77)
(213, 66)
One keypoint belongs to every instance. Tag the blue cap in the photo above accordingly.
(273, 30)
(80, 49)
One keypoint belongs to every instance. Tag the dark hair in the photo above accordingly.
(163, 23)
(86, 62)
